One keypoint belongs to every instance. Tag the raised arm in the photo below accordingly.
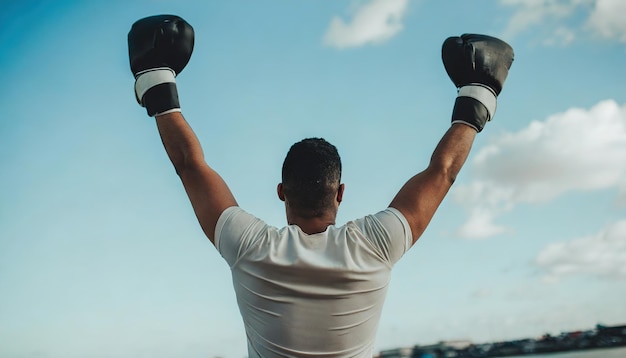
(207, 191)
(478, 65)
(420, 197)
(159, 49)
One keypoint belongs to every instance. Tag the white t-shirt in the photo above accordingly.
(317, 295)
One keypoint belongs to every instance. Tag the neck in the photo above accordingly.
(313, 225)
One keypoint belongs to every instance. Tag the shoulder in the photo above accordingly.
(387, 231)
(236, 230)
(230, 218)
(390, 219)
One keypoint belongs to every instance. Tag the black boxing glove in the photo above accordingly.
(159, 47)
(478, 65)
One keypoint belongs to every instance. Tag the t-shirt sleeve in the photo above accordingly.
(388, 232)
(236, 232)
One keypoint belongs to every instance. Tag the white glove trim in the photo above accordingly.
(168, 111)
(482, 94)
(467, 124)
(150, 78)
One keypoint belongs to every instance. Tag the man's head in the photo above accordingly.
(311, 178)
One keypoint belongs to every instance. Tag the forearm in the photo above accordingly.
(420, 197)
(453, 150)
(479, 77)
(180, 142)
(167, 40)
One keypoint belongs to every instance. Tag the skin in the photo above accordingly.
(417, 200)
(207, 191)
(312, 225)
(420, 197)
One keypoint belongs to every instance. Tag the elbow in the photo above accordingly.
(179, 165)
(449, 177)
(179, 170)
(445, 171)
(185, 165)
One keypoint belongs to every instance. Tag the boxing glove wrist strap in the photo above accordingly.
(475, 105)
(482, 94)
(145, 80)
(155, 89)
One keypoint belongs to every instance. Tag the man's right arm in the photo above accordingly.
(478, 65)
(420, 197)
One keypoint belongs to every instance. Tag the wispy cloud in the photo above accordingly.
(533, 12)
(603, 254)
(564, 20)
(371, 22)
(607, 19)
(578, 150)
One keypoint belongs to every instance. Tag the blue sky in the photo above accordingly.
(101, 255)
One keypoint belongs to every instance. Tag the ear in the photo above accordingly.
(279, 190)
(342, 187)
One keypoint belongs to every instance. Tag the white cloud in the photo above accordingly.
(603, 254)
(372, 22)
(562, 36)
(578, 150)
(602, 17)
(607, 19)
(481, 293)
(480, 224)
(534, 12)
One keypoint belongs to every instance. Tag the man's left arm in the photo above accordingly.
(159, 48)
(207, 191)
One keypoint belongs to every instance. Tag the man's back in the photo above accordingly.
(311, 295)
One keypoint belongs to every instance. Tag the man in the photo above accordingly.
(312, 289)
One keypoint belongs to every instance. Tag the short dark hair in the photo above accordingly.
(311, 176)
